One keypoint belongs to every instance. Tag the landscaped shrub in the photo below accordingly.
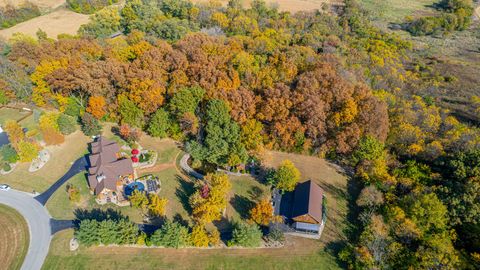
(90, 125)
(89, 6)
(8, 154)
(66, 124)
(73, 193)
(246, 235)
(171, 234)
(276, 235)
(10, 15)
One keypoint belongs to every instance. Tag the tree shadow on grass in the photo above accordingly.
(255, 193)
(97, 214)
(242, 205)
(184, 192)
(353, 226)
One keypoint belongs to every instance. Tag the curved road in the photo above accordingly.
(39, 224)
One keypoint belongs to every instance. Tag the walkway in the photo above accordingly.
(185, 167)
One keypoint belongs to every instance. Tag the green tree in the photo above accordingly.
(171, 234)
(370, 149)
(88, 233)
(222, 137)
(159, 124)
(286, 177)
(3, 98)
(186, 100)
(129, 112)
(66, 124)
(246, 235)
(8, 153)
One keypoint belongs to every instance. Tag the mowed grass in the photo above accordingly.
(14, 237)
(298, 254)
(395, 11)
(11, 114)
(62, 157)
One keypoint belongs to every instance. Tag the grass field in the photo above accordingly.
(14, 238)
(11, 114)
(290, 5)
(395, 11)
(298, 254)
(42, 4)
(62, 156)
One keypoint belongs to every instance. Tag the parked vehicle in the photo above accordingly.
(4, 187)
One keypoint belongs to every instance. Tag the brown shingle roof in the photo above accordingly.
(105, 166)
(307, 200)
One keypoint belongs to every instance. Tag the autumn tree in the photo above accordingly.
(208, 207)
(138, 199)
(262, 213)
(14, 132)
(90, 125)
(96, 106)
(157, 206)
(27, 151)
(199, 236)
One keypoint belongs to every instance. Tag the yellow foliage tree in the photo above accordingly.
(41, 92)
(27, 151)
(262, 213)
(157, 205)
(14, 132)
(199, 236)
(96, 106)
(209, 207)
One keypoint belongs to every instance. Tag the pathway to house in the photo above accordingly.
(78, 166)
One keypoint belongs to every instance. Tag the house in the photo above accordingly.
(302, 209)
(108, 171)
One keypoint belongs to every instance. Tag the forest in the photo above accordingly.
(230, 82)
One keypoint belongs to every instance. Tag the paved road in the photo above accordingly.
(39, 224)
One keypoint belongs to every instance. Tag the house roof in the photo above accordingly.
(105, 168)
(307, 200)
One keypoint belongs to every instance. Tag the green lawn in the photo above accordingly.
(396, 10)
(306, 254)
(11, 114)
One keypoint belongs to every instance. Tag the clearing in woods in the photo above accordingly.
(14, 238)
(293, 5)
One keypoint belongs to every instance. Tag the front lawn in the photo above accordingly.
(62, 157)
(298, 254)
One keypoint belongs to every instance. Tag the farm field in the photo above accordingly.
(15, 238)
(42, 4)
(60, 21)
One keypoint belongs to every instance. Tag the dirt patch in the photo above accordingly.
(15, 238)
(57, 22)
